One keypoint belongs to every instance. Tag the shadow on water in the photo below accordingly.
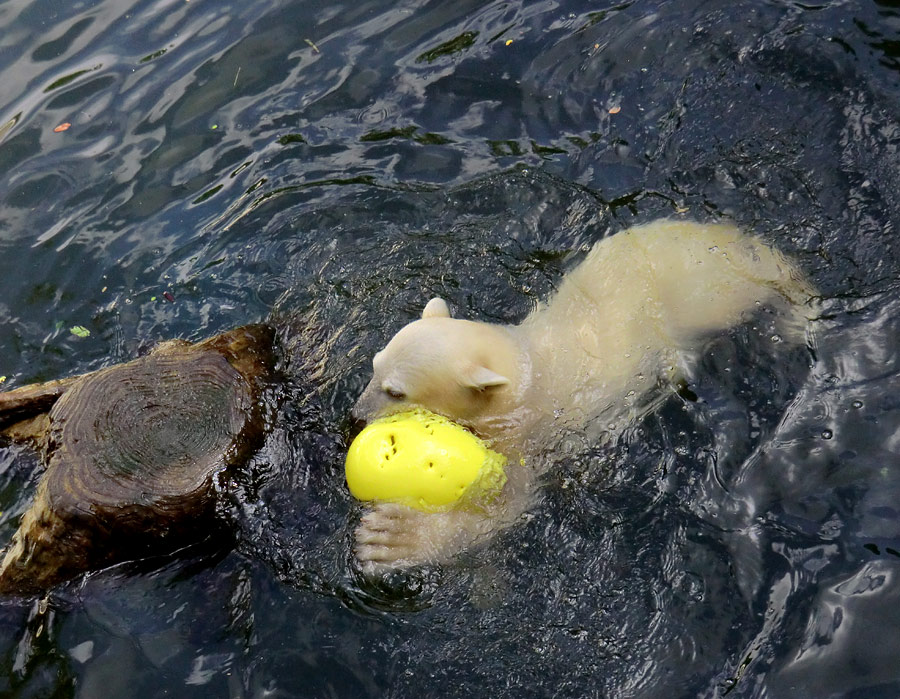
(332, 167)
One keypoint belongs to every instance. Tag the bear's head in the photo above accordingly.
(457, 368)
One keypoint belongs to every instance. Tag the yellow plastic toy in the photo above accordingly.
(422, 460)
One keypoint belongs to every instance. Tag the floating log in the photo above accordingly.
(131, 454)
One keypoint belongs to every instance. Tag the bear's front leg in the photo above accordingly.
(394, 536)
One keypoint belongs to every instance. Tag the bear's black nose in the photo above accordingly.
(355, 424)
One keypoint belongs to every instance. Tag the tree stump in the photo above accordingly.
(131, 454)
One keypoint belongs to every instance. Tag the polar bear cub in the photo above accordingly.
(589, 359)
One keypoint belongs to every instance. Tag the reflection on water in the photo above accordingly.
(334, 165)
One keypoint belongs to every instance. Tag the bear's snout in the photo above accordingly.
(365, 408)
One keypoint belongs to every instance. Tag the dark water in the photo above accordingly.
(333, 166)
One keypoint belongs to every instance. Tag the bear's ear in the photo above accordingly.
(436, 308)
(481, 378)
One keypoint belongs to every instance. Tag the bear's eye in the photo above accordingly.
(395, 394)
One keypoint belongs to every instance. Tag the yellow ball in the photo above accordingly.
(422, 460)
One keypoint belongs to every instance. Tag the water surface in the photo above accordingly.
(334, 165)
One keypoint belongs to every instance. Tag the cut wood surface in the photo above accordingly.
(131, 453)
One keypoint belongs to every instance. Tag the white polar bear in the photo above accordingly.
(589, 359)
